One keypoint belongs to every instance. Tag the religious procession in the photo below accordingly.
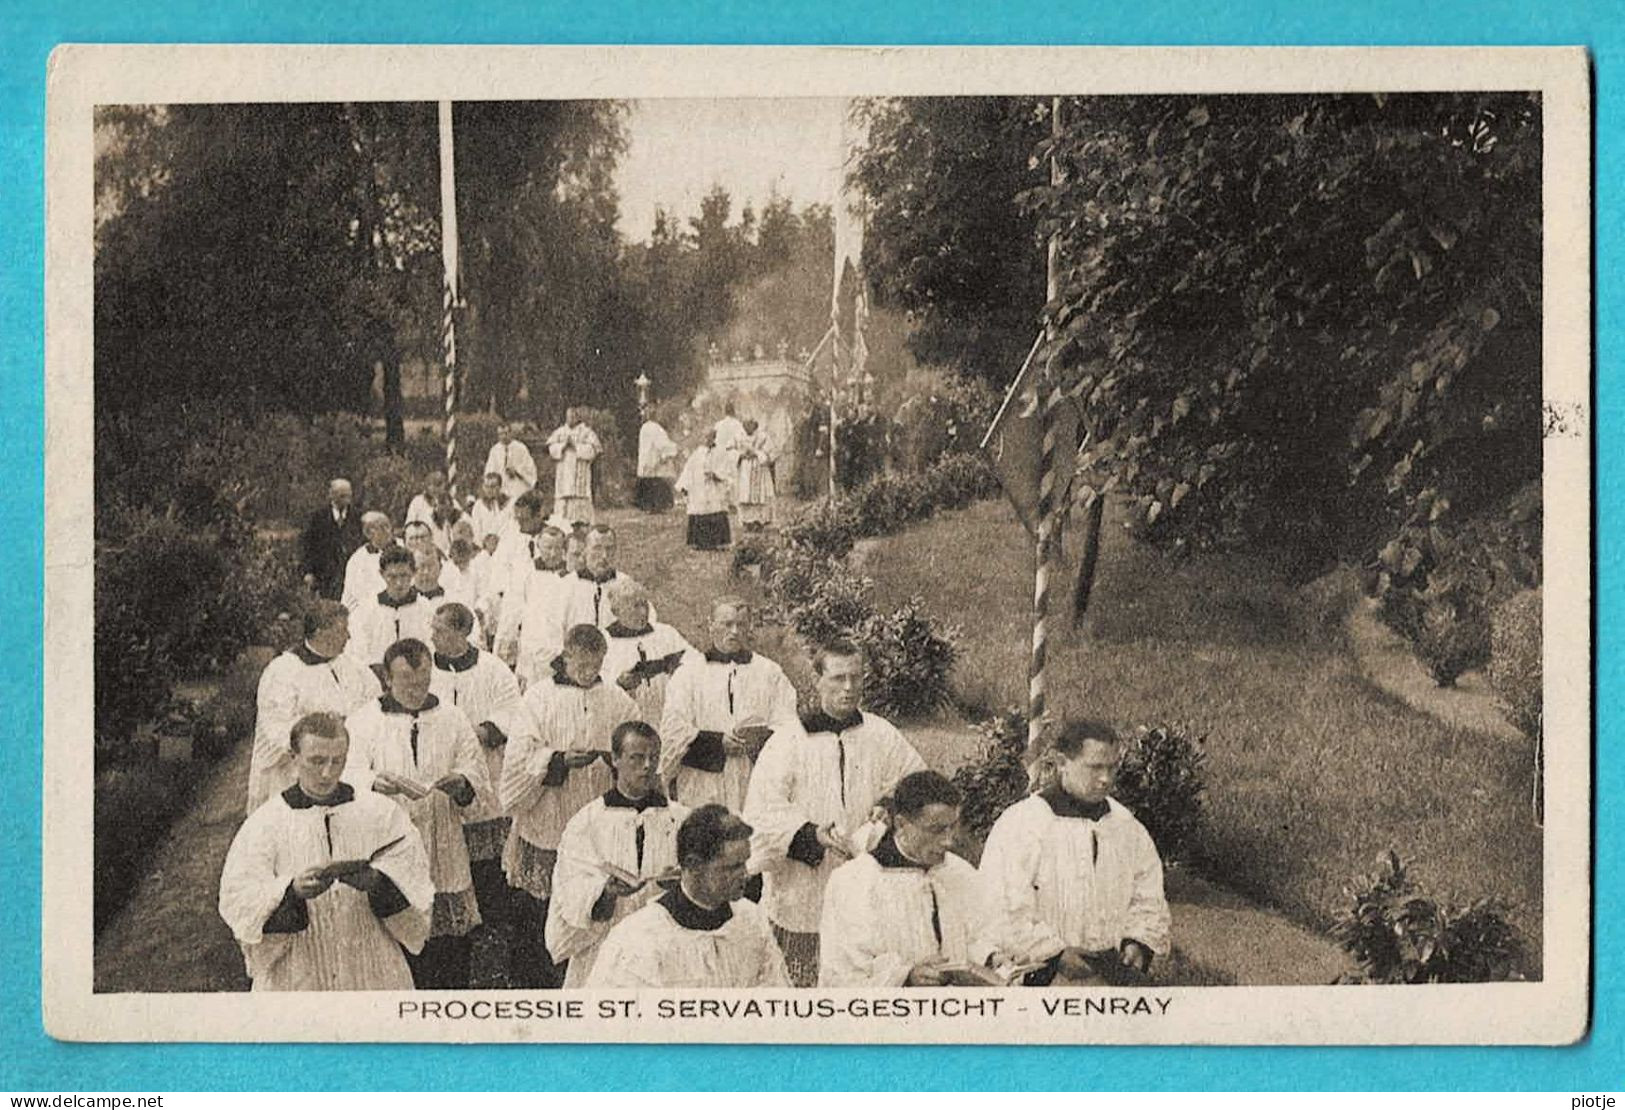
(922, 568)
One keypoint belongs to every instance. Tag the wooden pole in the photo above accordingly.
(1049, 396)
(448, 300)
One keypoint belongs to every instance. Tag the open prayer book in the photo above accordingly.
(670, 875)
(342, 867)
(975, 975)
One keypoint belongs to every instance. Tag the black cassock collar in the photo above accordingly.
(600, 579)
(819, 721)
(690, 914)
(298, 799)
(616, 800)
(712, 655)
(308, 657)
(1063, 804)
(459, 663)
(888, 854)
(389, 602)
(390, 705)
(621, 632)
(433, 592)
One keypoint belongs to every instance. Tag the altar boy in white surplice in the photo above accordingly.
(702, 932)
(1075, 879)
(305, 924)
(614, 855)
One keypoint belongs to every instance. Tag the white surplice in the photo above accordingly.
(882, 915)
(380, 621)
(587, 600)
(649, 649)
(343, 944)
(730, 433)
(718, 697)
(706, 481)
(381, 739)
(293, 684)
(492, 519)
(483, 687)
(657, 454)
(827, 774)
(537, 790)
(654, 949)
(605, 830)
(573, 449)
(756, 487)
(513, 456)
(1058, 882)
(532, 622)
(362, 578)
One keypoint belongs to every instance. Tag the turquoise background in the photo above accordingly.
(33, 1062)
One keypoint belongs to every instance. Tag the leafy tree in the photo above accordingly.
(1307, 319)
(946, 242)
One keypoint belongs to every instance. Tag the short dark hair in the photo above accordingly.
(631, 728)
(462, 549)
(845, 649)
(414, 651)
(586, 637)
(322, 614)
(330, 725)
(924, 788)
(458, 615)
(551, 530)
(395, 554)
(702, 835)
(532, 501)
(1076, 732)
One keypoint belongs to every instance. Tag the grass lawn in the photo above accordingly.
(1311, 771)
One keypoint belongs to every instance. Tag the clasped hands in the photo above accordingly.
(313, 881)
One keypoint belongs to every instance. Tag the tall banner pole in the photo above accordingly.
(1049, 393)
(448, 321)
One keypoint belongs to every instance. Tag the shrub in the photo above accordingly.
(132, 810)
(1515, 658)
(1162, 779)
(751, 551)
(1398, 935)
(909, 664)
(828, 528)
(838, 604)
(941, 412)
(388, 484)
(994, 781)
(1453, 636)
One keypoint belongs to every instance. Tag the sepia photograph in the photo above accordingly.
(839, 547)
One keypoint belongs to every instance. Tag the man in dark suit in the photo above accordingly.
(331, 535)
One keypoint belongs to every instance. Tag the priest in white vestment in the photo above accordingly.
(418, 538)
(424, 754)
(908, 912)
(435, 508)
(588, 601)
(614, 855)
(396, 613)
(573, 446)
(729, 431)
(703, 932)
(363, 577)
(1074, 878)
(513, 558)
(721, 710)
(546, 779)
(304, 925)
(483, 687)
(757, 491)
(657, 466)
(315, 677)
(705, 484)
(813, 799)
(643, 653)
(511, 459)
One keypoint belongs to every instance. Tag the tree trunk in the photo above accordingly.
(1087, 558)
(394, 425)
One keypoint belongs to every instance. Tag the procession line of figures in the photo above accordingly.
(513, 736)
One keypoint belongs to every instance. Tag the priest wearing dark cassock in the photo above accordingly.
(617, 854)
(1075, 880)
(331, 535)
(813, 800)
(323, 887)
(721, 710)
(423, 753)
(908, 912)
(483, 687)
(315, 677)
(703, 932)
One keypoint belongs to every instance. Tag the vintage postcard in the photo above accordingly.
(1041, 545)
